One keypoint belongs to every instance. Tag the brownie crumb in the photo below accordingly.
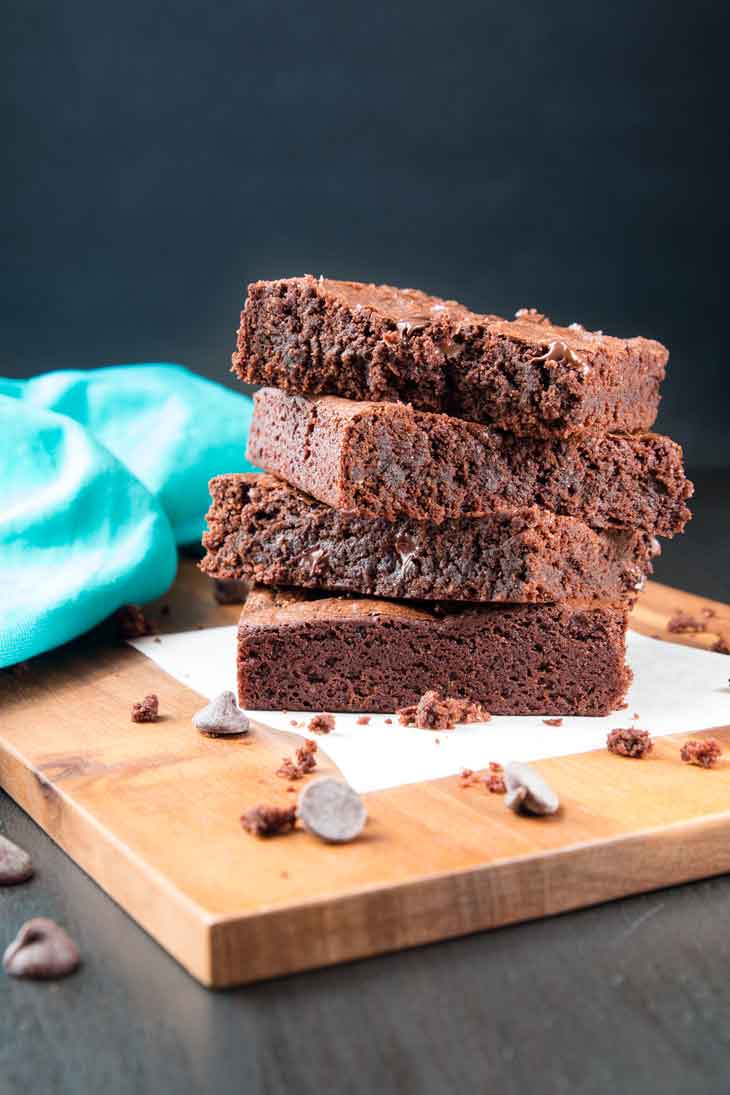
(468, 778)
(389, 722)
(553, 722)
(629, 742)
(293, 722)
(229, 591)
(435, 712)
(721, 646)
(132, 622)
(321, 724)
(684, 624)
(147, 710)
(305, 755)
(269, 820)
(363, 720)
(494, 779)
(703, 753)
(306, 762)
(636, 716)
(288, 769)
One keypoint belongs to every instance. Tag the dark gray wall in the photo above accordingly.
(572, 156)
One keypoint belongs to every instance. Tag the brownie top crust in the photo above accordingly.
(316, 336)
(405, 308)
(411, 309)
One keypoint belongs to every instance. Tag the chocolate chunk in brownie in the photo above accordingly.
(323, 337)
(147, 710)
(435, 712)
(298, 651)
(705, 752)
(629, 742)
(266, 820)
(264, 530)
(389, 460)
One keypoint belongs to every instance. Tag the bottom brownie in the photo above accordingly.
(299, 652)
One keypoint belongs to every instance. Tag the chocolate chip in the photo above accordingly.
(41, 950)
(331, 810)
(221, 717)
(527, 791)
(15, 864)
(557, 351)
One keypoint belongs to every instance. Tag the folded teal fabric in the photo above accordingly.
(172, 429)
(102, 472)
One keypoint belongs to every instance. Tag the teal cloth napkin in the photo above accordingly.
(102, 473)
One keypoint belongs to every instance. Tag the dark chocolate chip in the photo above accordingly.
(331, 810)
(527, 791)
(15, 864)
(221, 717)
(41, 950)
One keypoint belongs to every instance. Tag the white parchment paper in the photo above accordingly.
(676, 689)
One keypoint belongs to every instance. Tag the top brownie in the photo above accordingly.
(314, 336)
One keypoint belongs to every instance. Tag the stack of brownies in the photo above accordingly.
(451, 502)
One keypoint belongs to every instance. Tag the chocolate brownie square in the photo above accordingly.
(261, 529)
(390, 460)
(315, 336)
(301, 651)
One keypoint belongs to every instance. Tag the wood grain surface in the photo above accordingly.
(151, 812)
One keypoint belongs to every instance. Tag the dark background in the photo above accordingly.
(571, 156)
(568, 155)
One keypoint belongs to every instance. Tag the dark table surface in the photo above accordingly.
(628, 997)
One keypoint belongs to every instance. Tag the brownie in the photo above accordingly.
(320, 337)
(388, 460)
(264, 530)
(301, 651)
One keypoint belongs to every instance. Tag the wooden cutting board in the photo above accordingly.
(151, 812)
